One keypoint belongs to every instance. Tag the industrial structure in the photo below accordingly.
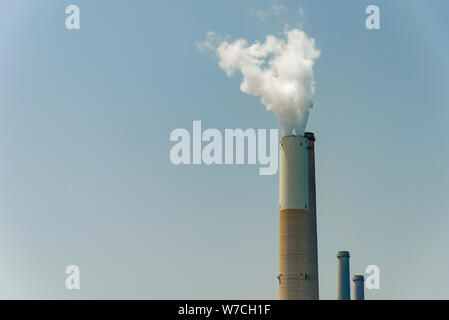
(344, 289)
(298, 249)
(298, 254)
(359, 287)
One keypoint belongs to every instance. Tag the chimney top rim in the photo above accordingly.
(310, 136)
(343, 254)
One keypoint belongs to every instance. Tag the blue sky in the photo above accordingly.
(86, 179)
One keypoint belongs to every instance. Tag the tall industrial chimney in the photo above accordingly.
(359, 287)
(298, 261)
(343, 276)
(313, 239)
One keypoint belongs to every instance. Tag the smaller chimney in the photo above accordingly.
(344, 290)
(359, 287)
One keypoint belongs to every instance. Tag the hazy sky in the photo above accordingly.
(85, 173)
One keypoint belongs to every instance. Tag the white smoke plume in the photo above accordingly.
(279, 71)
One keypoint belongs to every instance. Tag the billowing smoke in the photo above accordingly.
(279, 71)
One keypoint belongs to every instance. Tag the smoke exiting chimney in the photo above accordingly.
(343, 276)
(298, 261)
(279, 71)
(359, 287)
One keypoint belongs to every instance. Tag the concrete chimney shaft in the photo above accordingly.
(344, 292)
(313, 238)
(359, 287)
(298, 261)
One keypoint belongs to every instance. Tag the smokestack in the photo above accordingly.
(298, 263)
(313, 239)
(359, 287)
(343, 276)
